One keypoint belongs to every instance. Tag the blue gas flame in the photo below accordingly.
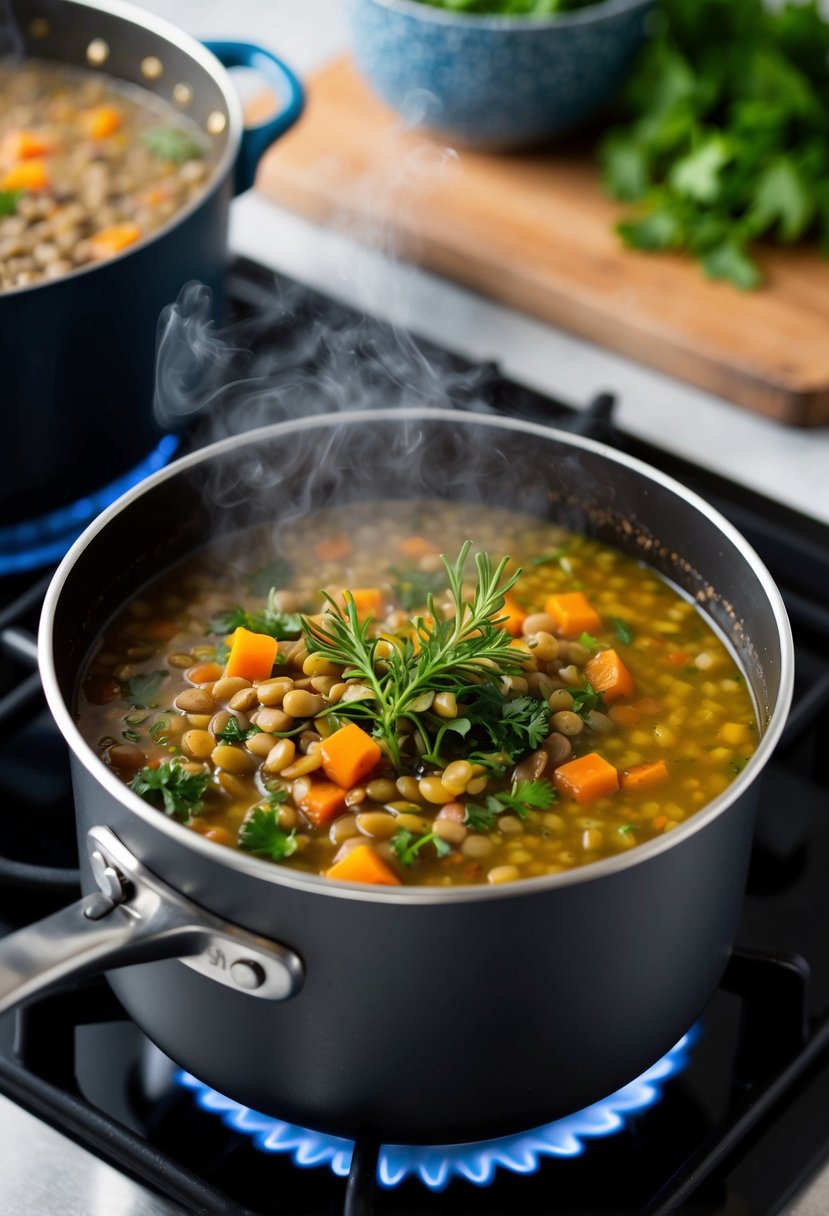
(43, 541)
(521, 1153)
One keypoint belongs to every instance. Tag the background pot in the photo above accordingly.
(78, 352)
(421, 1013)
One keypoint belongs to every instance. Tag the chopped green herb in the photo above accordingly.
(521, 799)
(406, 845)
(232, 732)
(513, 727)
(144, 691)
(451, 652)
(171, 143)
(279, 625)
(262, 835)
(547, 559)
(588, 641)
(158, 728)
(622, 631)
(9, 200)
(482, 818)
(585, 700)
(626, 828)
(171, 788)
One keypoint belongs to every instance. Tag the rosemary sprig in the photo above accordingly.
(450, 654)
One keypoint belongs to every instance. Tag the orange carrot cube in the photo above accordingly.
(349, 755)
(515, 616)
(644, 776)
(333, 548)
(27, 175)
(586, 778)
(416, 546)
(367, 600)
(573, 613)
(322, 802)
(609, 676)
(109, 241)
(252, 655)
(101, 121)
(362, 864)
(23, 145)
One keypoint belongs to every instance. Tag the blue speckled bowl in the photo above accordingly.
(495, 82)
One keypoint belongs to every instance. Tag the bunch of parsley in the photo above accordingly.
(728, 133)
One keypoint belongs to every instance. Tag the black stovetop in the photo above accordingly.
(735, 1133)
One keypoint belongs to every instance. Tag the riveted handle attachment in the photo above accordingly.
(134, 917)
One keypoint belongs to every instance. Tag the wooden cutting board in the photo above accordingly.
(536, 232)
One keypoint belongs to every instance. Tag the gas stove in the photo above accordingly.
(733, 1121)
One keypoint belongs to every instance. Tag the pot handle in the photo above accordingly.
(256, 140)
(136, 918)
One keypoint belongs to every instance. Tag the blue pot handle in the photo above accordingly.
(256, 140)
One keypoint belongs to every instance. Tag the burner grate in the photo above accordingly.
(737, 1131)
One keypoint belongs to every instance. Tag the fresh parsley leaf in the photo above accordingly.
(144, 691)
(585, 700)
(622, 631)
(512, 727)
(521, 799)
(528, 717)
(730, 261)
(627, 828)
(528, 795)
(171, 788)
(262, 835)
(9, 200)
(783, 200)
(480, 818)
(279, 625)
(172, 144)
(406, 845)
(588, 641)
(232, 732)
(697, 175)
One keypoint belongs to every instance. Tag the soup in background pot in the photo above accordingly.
(337, 696)
(89, 167)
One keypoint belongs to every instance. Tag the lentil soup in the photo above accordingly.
(349, 703)
(88, 167)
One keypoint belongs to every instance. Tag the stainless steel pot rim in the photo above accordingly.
(205, 59)
(281, 875)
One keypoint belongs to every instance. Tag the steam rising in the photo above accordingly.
(293, 355)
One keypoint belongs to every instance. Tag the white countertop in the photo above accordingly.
(789, 464)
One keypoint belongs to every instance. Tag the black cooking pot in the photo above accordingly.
(412, 1012)
(78, 353)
